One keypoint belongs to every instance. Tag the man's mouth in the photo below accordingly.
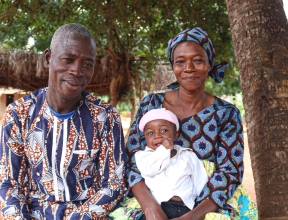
(73, 84)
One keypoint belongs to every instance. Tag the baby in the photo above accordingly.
(174, 174)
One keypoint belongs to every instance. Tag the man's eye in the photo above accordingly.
(89, 65)
(68, 60)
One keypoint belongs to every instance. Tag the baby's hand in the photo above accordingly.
(168, 143)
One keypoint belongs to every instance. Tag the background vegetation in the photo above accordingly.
(139, 28)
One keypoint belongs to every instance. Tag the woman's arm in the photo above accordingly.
(200, 211)
(229, 158)
(149, 205)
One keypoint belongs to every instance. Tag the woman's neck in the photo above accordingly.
(185, 104)
(191, 100)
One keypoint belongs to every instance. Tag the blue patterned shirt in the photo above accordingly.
(53, 168)
(214, 134)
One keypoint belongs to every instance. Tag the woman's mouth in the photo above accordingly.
(190, 78)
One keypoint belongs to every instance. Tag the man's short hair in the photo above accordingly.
(71, 29)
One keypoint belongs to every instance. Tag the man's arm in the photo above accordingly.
(13, 167)
(110, 169)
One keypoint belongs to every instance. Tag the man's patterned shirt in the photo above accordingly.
(60, 169)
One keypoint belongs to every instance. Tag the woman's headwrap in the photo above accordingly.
(199, 36)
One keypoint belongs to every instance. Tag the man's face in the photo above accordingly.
(71, 67)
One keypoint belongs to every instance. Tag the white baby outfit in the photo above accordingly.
(183, 175)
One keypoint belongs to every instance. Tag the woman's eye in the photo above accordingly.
(180, 61)
(164, 130)
(198, 61)
(150, 133)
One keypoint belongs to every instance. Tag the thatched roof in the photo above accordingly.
(25, 70)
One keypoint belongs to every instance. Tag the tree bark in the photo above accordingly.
(260, 36)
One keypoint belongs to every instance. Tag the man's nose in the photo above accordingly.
(75, 69)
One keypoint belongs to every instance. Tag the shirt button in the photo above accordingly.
(38, 119)
(38, 174)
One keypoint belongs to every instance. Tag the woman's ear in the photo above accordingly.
(47, 56)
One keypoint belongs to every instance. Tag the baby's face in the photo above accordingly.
(158, 130)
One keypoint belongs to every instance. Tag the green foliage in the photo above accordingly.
(229, 86)
(140, 28)
(237, 100)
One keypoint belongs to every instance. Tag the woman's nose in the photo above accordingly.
(189, 66)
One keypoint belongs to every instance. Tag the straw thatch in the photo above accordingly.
(25, 70)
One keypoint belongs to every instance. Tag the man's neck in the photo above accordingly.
(61, 105)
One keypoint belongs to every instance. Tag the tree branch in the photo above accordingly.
(172, 12)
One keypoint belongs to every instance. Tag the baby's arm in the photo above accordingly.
(152, 163)
(168, 144)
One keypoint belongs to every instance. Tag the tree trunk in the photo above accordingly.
(114, 93)
(260, 36)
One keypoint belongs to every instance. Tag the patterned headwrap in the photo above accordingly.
(199, 36)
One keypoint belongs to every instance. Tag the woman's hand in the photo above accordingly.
(155, 213)
(200, 211)
(192, 215)
(149, 205)
(189, 217)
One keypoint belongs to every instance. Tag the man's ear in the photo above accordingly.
(47, 56)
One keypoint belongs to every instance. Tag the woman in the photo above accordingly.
(209, 125)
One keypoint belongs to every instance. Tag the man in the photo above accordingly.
(62, 149)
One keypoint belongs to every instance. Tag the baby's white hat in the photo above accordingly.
(160, 113)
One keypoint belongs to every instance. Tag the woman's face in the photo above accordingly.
(191, 65)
